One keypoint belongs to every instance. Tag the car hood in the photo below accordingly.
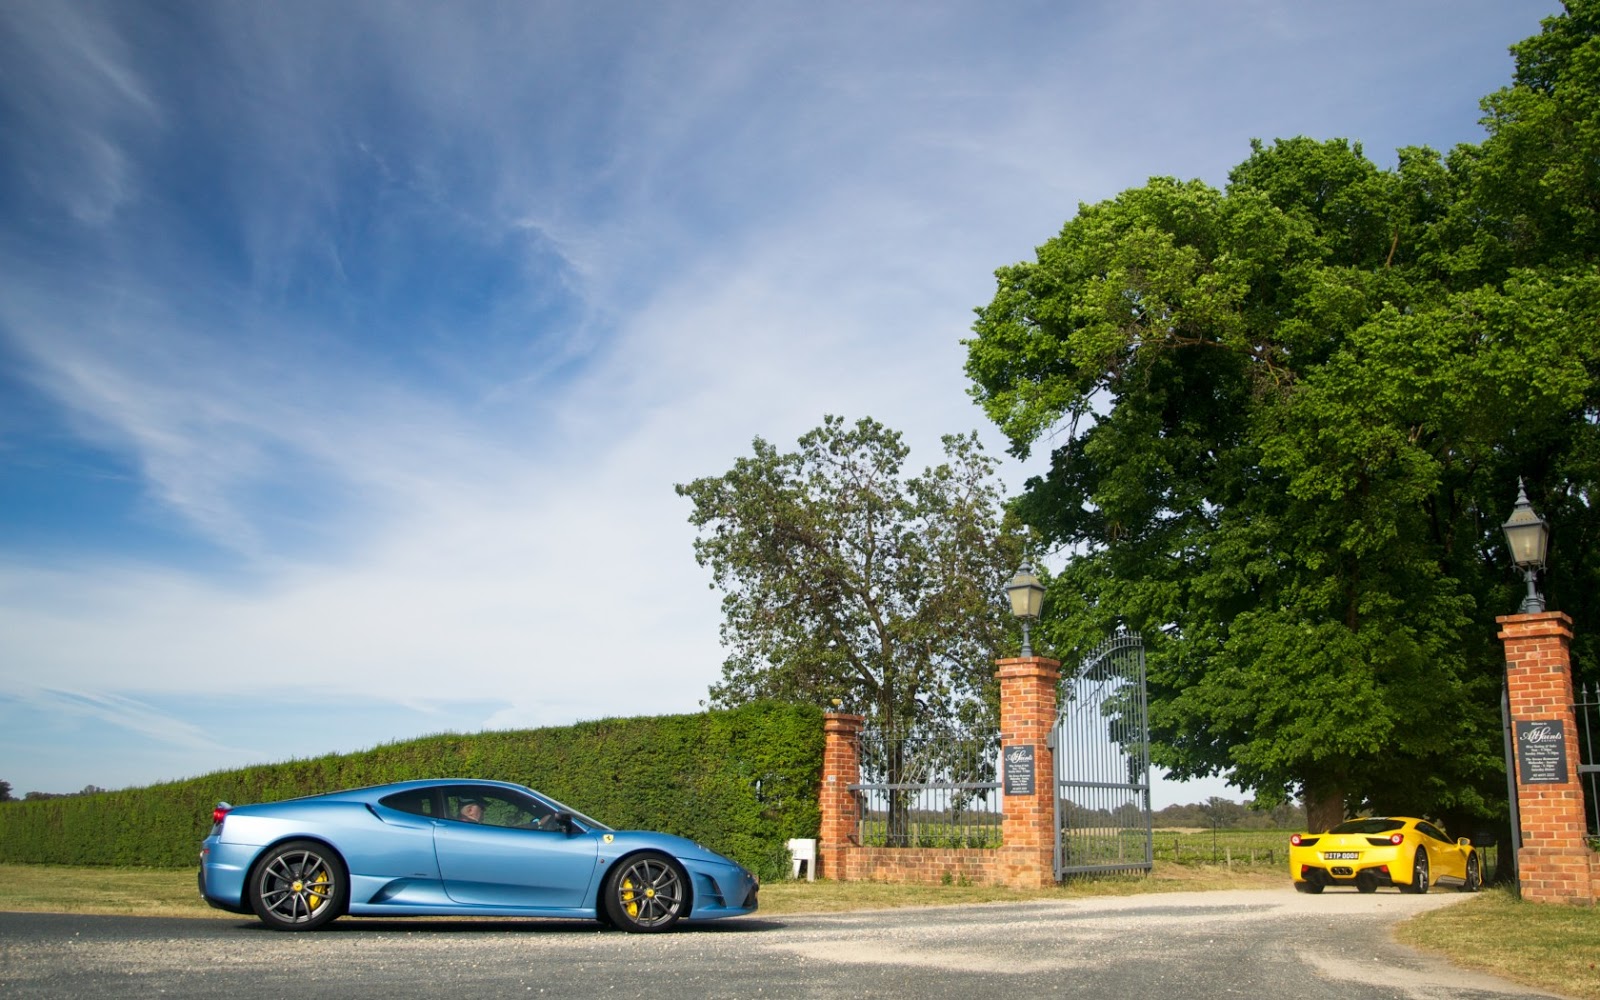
(630, 840)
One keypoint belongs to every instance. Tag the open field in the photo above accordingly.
(1555, 948)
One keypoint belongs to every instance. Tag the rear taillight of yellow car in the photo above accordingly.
(1397, 839)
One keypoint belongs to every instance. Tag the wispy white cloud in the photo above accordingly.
(65, 76)
(135, 717)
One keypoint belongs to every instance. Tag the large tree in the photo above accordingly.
(843, 579)
(1287, 418)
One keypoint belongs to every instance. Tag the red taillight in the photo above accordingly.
(218, 814)
(1397, 838)
(1294, 841)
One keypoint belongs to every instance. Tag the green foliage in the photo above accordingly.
(742, 782)
(1288, 418)
(843, 580)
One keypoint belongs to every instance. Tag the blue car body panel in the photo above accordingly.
(401, 863)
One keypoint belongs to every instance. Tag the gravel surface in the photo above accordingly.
(1258, 943)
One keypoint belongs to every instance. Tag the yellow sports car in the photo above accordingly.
(1401, 851)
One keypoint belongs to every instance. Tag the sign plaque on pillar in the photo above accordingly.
(1542, 752)
(1017, 770)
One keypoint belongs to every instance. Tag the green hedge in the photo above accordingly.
(742, 782)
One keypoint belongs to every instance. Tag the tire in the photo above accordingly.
(1308, 886)
(1366, 883)
(298, 886)
(1474, 880)
(1419, 873)
(646, 893)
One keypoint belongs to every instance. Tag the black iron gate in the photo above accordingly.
(1587, 709)
(1101, 742)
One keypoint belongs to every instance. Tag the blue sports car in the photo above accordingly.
(457, 848)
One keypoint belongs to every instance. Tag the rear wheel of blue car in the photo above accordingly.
(646, 892)
(298, 886)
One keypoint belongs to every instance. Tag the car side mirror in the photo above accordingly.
(1464, 842)
(567, 826)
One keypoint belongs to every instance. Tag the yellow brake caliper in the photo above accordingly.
(318, 887)
(628, 901)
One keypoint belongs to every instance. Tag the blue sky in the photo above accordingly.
(349, 352)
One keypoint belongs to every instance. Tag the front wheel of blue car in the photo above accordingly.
(298, 886)
(645, 893)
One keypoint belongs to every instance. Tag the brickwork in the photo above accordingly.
(1027, 857)
(1554, 863)
(919, 866)
(841, 768)
(1027, 712)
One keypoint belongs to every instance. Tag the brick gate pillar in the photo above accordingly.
(1027, 711)
(1553, 862)
(841, 768)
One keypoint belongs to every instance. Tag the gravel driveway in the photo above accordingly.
(1256, 943)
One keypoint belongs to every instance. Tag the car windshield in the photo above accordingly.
(591, 824)
(1374, 824)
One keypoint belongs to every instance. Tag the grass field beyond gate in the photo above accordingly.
(1183, 845)
(1240, 847)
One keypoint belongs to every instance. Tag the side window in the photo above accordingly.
(1433, 831)
(494, 807)
(419, 801)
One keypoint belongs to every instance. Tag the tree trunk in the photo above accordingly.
(1324, 807)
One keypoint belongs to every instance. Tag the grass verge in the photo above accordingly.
(144, 892)
(1552, 947)
(779, 898)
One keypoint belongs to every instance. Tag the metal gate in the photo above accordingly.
(1587, 709)
(1101, 743)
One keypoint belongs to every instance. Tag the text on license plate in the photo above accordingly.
(1341, 855)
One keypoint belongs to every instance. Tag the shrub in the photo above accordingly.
(741, 782)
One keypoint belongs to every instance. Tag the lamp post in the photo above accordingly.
(1027, 599)
(1528, 537)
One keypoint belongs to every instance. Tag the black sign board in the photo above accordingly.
(1542, 752)
(1017, 770)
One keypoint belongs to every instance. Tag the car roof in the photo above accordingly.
(371, 792)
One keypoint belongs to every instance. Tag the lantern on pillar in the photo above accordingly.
(1027, 600)
(1528, 538)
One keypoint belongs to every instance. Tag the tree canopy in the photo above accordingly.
(843, 579)
(1287, 418)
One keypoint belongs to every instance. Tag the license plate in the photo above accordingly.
(1341, 855)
